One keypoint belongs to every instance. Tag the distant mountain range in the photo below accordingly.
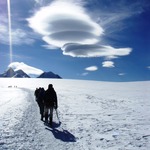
(10, 73)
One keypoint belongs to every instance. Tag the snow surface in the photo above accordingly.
(94, 116)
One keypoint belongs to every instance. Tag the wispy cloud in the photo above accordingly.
(108, 64)
(48, 46)
(84, 74)
(148, 67)
(19, 36)
(91, 68)
(32, 71)
(121, 74)
(41, 3)
(112, 14)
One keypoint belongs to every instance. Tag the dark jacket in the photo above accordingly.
(50, 98)
(41, 94)
(36, 93)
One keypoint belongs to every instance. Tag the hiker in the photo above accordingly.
(50, 102)
(36, 93)
(39, 93)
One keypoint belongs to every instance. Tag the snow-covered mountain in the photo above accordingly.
(20, 74)
(49, 75)
(92, 115)
(10, 73)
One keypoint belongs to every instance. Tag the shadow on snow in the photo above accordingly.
(63, 135)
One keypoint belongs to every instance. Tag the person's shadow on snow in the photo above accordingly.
(64, 135)
(54, 124)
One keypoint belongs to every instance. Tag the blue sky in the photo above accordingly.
(104, 40)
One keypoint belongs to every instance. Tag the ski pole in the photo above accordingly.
(57, 115)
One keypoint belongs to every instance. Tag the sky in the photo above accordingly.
(103, 40)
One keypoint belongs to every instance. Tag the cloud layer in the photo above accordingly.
(31, 71)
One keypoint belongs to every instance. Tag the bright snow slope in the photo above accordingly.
(94, 116)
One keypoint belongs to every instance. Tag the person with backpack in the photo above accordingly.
(39, 94)
(36, 93)
(50, 103)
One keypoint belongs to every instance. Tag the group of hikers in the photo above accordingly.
(47, 102)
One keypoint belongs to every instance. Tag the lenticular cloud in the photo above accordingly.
(87, 50)
(91, 68)
(108, 64)
(65, 22)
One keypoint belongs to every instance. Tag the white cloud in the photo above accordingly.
(87, 50)
(108, 64)
(65, 22)
(31, 71)
(91, 68)
(67, 25)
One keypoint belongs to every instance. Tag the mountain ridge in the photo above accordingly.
(49, 75)
(10, 73)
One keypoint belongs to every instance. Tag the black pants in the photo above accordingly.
(41, 107)
(48, 111)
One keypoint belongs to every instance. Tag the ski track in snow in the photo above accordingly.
(104, 116)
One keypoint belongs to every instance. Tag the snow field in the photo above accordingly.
(94, 116)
